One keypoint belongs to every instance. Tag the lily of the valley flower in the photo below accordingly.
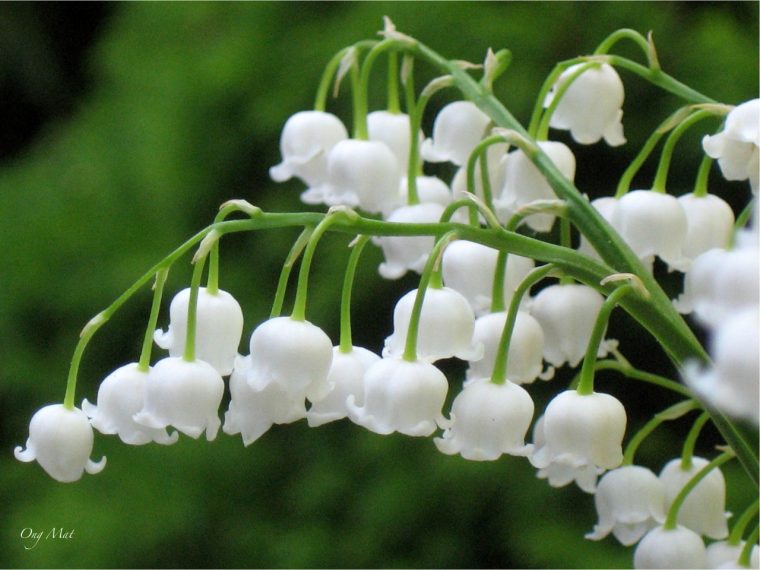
(721, 554)
(346, 378)
(393, 130)
(429, 189)
(670, 548)
(703, 511)
(400, 396)
(591, 108)
(710, 223)
(120, 396)
(457, 130)
(445, 328)
(61, 441)
(218, 329)
(737, 146)
(578, 438)
(630, 501)
(488, 420)
(184, 395)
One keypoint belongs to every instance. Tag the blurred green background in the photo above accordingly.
(126, 124)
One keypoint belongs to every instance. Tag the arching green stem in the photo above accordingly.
(630, 372)
(542, 133)
(158, 287)
(497, 287)
(361, 85)
(673, 412)
(745, 558)
(744, 216)
(691, 440)
(549, 82)
(703, 174)
(499, 374)
(290, 260)
(393, 104)
(749, 514)
(479, 154)
(636, 37)
(346, 342)
(192, 310)
(586, 383)
(410, 348)
(320, 103)
(672, 519)
(661, 177)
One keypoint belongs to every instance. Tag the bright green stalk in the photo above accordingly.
(410, 348)
(290, 260)
(750, 514)
(674, 411)
(691, 440)
(542, 133)
(346, 342)
(158, 288)
(745, 215)
(667, 150)
(359, 102)
(703, 174)
(745, 558)
(320, 103)
(393, 95)
(672, 520)
(416, 110)
(361, 87)
(630, 372)
(499, 374)
(451, 209)
(638, 39)
(497, 288)
(549, 82)
(192, 310)
(479, 153)
(586, 384)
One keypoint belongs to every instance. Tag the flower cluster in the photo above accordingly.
(475, 302)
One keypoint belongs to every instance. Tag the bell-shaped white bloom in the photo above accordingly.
(120, 396)
(526, 348)
(670, 548)
(362, 174)
(184, 395)
(252, 413)
(392, 129)
(731, 383)
(60, 440)
(710, 223)
(591, 108)
(400, 396)
(408, 253)
(630, 501)
(580, 437)
(429, 189)
(703, 511)
(219, 326)
(306, 139)
(488, 420)
(653, 224)
(737, 146)
(606, 207)
(721, 554)
(567, 314)
(346, 378)
(469, 267)
(296, 355)
(445, 328)
(524, 183)
(457, 130)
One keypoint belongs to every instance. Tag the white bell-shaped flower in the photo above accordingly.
(61, 441)
(653, 224)
(469, 267)
(306, 139)
(392, 129)
(567, 313)
(710, 223)
(703, 511)
(408, 253)
(120, 396)
(731, 383)
(591, 108)
(580, 437)
(670, 548)
(184, 395)
(524, 183)
(606, 207)
(737, 146)
(445, 328)
(429, 189)
(488, 420)
(457, 130)
(346, 378)
(721, 553)
(630, 501)
(296, 355)
(400, 396)
(251, 413)
(362, 174)
(218, 330)
(526, 348)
